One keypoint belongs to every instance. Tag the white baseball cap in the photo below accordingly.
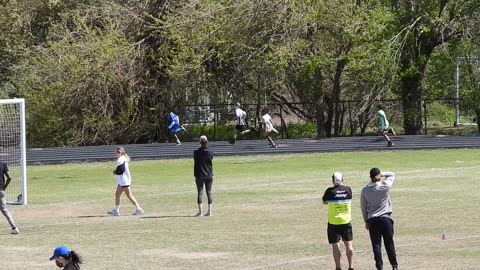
(337, 178)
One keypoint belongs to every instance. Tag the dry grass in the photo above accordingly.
(267, 213)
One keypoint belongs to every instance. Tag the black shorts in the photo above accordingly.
(240, 127)
(337, 232)
(125, 186)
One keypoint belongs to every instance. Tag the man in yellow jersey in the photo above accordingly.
(339, 200)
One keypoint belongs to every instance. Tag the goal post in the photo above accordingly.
(13, 148)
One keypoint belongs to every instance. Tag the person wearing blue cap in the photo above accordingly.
(66, 258)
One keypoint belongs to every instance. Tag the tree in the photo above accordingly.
(422, 27)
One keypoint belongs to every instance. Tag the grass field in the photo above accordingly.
(267, 211)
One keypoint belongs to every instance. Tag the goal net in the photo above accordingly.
(13, 148)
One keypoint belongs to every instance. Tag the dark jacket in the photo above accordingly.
(203, 167)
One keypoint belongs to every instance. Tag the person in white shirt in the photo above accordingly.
(241, 125)
(124, 180)
(269, 127)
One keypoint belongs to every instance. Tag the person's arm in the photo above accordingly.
(7, 182)
(389, 178)
(120, 169)
(324, 197)
(363, 207)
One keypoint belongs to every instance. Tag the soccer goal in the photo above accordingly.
(13, 148)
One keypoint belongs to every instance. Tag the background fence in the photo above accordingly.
(297, 120)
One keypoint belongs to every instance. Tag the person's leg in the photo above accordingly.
(349, 251)
(5, 212)
(376, 239)
(336, 255)
(176, 138)
(208, 189)
(269, 138)
(132, 199)
(199, 184)
(388, 241)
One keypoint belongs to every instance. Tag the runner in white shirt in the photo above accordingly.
(241, 125)
(124, 180)
(269, 127)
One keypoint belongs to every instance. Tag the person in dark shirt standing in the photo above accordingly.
(3, 202)
(203, 172)
(339, 200)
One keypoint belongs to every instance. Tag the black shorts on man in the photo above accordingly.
(337, 232)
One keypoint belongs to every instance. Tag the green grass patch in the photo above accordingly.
(268, 213)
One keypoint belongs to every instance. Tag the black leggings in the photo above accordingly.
(208, 186)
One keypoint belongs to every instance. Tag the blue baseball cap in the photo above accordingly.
(60, 251)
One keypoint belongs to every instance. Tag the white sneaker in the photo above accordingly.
(114, 213)
(138, 212)
(15, 231)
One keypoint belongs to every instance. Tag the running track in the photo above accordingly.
(57, 155)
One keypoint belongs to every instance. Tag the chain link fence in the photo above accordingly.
(352, 118)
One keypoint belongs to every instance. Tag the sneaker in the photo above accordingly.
(114, 213)
(350, 269)
(208, 214)
(273, 146)
(338, 268)
(395, 267)
(179, 143)
(199, 214)
(231, 142)
(138, 212)
(389, 144)
(15, 231)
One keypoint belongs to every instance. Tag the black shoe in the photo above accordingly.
(231, 142)
(395, 267)
(389, 144)
(337, 268)
(351, 269)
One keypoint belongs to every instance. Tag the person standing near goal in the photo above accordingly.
(339, 201)
(203, 172)
(3, 202)
(124, 181)
(269, 127)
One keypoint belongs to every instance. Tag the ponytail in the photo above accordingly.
(75, 259)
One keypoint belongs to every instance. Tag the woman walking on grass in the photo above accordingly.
(124, 181)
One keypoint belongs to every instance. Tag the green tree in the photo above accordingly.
(422, 27)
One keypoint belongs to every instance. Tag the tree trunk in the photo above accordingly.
(477, 111)
(321, 121)
(412, 104)
(330, 110)
(336, 94)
